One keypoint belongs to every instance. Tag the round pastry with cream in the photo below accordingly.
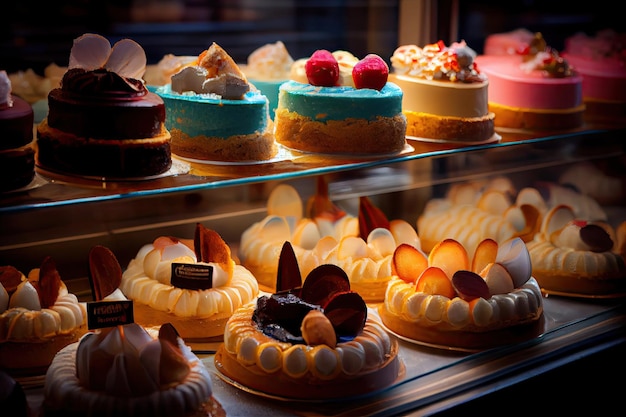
(445, 94)
(362, 246)
(123, 371)
(196, 285)
(309, 342)
(38, 317)
(449, 300)
(573, 256)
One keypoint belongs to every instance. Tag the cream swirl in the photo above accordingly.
(26, 320)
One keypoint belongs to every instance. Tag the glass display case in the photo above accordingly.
(64, 216)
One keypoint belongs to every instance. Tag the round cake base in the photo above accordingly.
(464, 340)
(475, 129)
(282, 386)
(580, 286)
(33, 357)
(537, 119)
(384, 135)
(191, 329)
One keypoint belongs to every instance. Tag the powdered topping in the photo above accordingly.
(437, 61)
(5, 91)
(97, 69)
(215, 74)
(270, 62)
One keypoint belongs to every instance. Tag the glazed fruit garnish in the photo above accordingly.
(173, 365)
(322, 69)
(49, 283)
(326, 289)
(210, 247)
(408, 262)
(435, 281)
(10, 277)
(370, 72)
(105, 272)
(288, 274)
(320, 206)
(496, 268)
(370, 218)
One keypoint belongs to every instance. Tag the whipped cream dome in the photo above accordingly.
(92, 376)
(148, 280)
(23, 319)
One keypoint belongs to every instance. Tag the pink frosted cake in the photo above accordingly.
(530, 85)
(601, 61)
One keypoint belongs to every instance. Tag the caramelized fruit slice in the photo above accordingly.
(288, 276)
(10, 277)
(557, 218)
(485, 253)
(323, 283)
(347, 312)
(450, 256)
(320, 205)
(210, 247)
(469, 285)
(105, 272)
(408, 262)
(370, 218)
(49, 283)
(434, 281)
(596, 237)
(497, 279)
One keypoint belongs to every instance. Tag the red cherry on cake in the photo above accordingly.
(322, 69)
(370, 72)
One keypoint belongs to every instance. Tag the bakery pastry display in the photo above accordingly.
(445, 94)
(493, 208)
(362, 245)
(575, 256)
(600, 61)
(267, 68)
(214, 114)
(603, 182)
(531, 87)
(124, 371)
(17, 151)
(38, 317)
(358, 112)
(102, 121)
(310, 340)
(450, 300)
(193, 284)
(34, 88)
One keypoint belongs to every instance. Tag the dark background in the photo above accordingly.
(34, 34)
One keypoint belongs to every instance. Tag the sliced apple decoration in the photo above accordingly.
(495, 269)
(408, 262)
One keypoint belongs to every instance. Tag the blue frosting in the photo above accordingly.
(339, 103)
(211, 116)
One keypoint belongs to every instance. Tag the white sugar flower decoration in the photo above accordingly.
(126, 58)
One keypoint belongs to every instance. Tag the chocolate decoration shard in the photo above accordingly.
(105, 272)
(288, 276)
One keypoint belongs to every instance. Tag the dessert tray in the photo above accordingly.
(495, 138)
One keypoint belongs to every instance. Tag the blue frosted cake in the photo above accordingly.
(214, 115)
(331, 116)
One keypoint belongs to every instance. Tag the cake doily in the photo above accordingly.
(495, 138)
